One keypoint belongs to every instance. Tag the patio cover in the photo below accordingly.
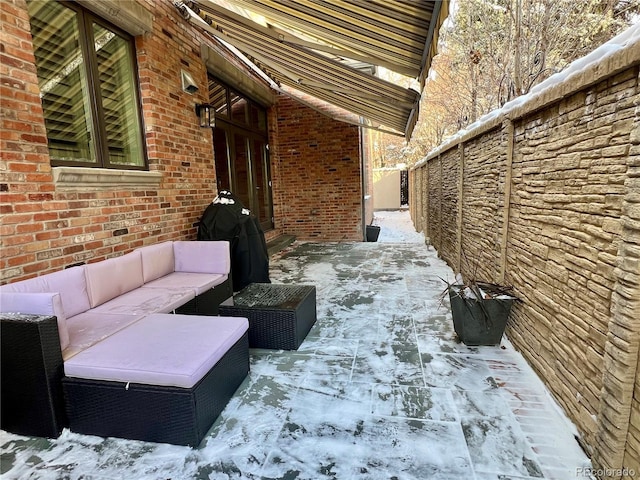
(329, 48)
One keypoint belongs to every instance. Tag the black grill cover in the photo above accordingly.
(227, 219)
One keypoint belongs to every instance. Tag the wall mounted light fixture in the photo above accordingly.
(206, 114)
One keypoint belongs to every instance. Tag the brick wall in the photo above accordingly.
(547, 198)
(319, 185)
(46, 227)
(26, 175)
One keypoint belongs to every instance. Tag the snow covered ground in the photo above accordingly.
(380, 389)
(396, 227)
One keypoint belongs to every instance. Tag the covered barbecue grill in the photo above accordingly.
(226, 218)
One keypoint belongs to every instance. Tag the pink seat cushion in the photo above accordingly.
(143, 301)
(88, 328)
(161, 349)
(198, 282)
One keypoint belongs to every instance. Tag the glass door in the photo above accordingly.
(241, 150)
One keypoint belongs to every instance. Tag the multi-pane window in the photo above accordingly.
(242, 112)
(87, 78)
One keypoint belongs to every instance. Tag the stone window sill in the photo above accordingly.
(83, 178)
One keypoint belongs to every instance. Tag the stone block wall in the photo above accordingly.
(450, 171)
(548, 200)
(621, 393)
(433, 195)
(482, 201)
(632, 453)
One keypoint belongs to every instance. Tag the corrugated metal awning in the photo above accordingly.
(323, 48)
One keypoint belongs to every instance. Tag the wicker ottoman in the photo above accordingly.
(280, 316)
(156, 383)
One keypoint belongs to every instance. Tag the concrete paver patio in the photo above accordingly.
(380, 389)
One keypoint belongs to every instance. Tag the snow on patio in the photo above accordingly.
(380, 389)
(396, 227)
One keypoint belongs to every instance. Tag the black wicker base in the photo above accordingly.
(207, 303)
(32, 402)
(280, 316)
(181, 416)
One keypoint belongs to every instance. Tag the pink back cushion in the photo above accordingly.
(157, 261)
(202, 257)
(33, 285)
(72, 287)
(69, 283)
(113, 277)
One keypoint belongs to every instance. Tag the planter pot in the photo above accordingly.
(479, 322)
(372, 233)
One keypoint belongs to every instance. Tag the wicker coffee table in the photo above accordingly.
(280, 316)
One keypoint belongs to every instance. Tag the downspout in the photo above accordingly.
(363, 182)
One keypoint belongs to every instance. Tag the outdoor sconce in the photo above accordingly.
(206, 114)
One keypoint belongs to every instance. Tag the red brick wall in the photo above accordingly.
(176, 145)
(318, 191)
(44, 229)
(27, 203)
(315, 166)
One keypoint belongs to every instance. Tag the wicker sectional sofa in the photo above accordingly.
(138, 350)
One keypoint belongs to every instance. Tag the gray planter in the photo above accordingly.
(478, 322)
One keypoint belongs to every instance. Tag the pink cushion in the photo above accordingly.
(157, 261)
(202, 257)
(32, 285)
(89, 328)
(69, 283)
(198, 282)
(44, 303)
(161, 349)
(143, 301)
(113, 277)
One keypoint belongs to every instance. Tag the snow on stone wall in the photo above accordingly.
(544, 194)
